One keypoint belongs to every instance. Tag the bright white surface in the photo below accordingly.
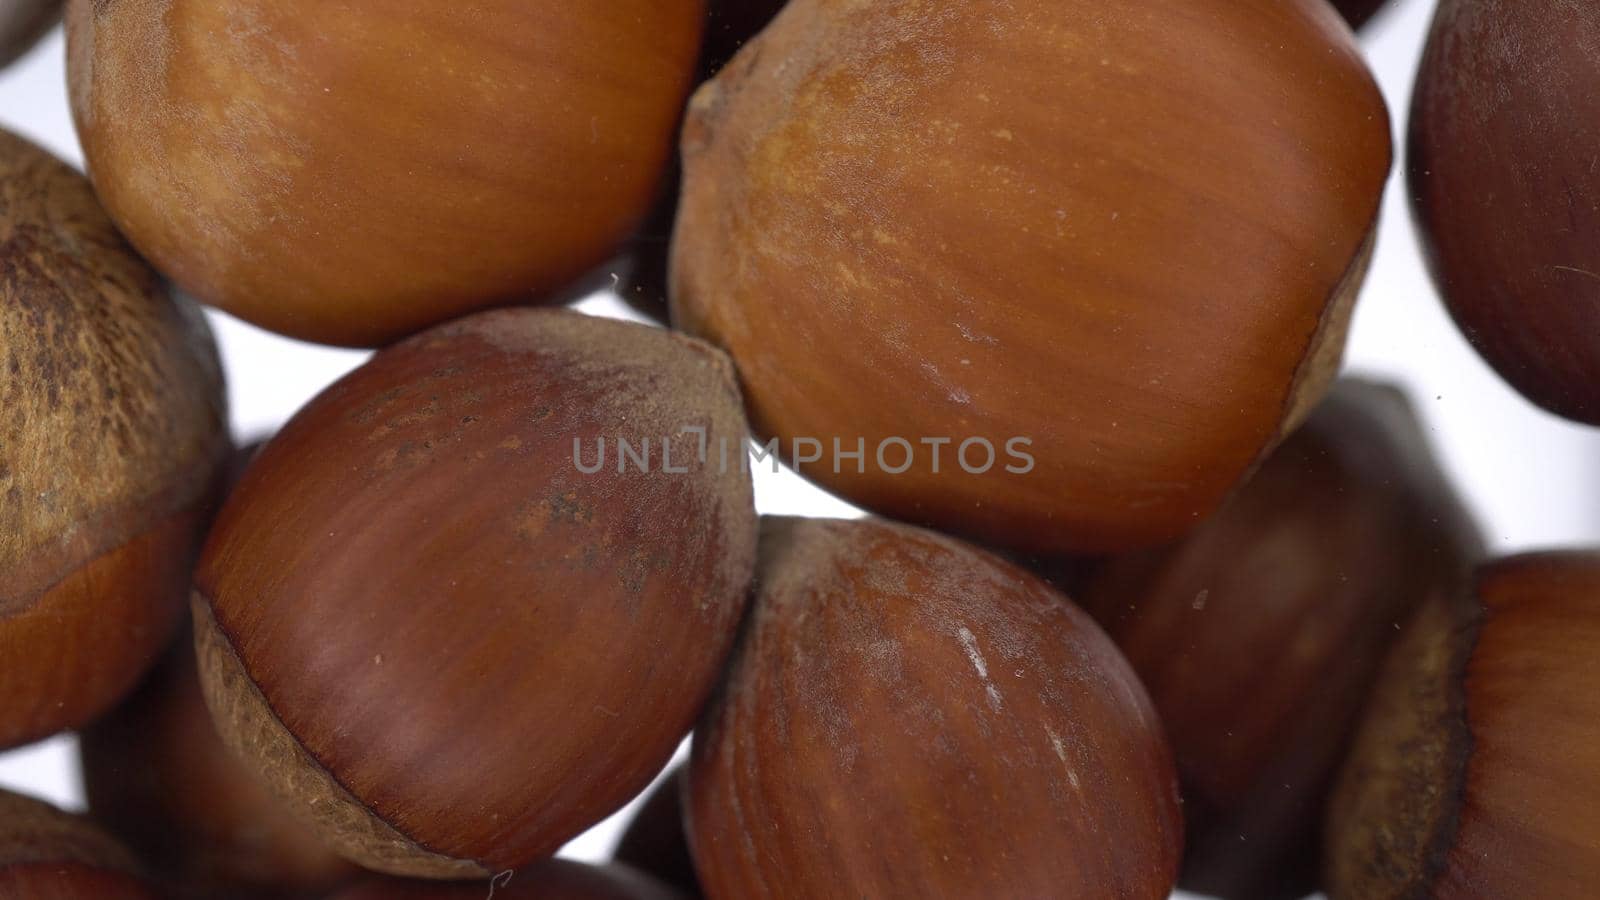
(1534, 480)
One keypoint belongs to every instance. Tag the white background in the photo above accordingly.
(1533, 480)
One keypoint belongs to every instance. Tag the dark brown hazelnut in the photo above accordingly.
(351, 174)
(1260, 635)
(46, 854)
(437, 635)
(1477, 770)
(1504, 125)
(907, 716)
(656, 843)
(1117, 243)
(556, 879)
(23, 23)
(112, 430)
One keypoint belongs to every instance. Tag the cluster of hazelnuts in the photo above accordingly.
(407, 649)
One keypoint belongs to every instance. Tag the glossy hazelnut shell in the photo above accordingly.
(907, 716)
(1504, 123)
(556, 879)
(114, 424)
(46, 854)
(444, 643)
(158, 776)
(1476, 772)
(656, 843)
(1143, 262)
(23, 23)
(1260, 635)
(351, 175)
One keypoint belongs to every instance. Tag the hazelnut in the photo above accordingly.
(1142, 264)
(556, 879)
(655, 842)
(1475, 772)
(23, 23)
(1259, 636)
(907, 716)
(351, 174)
(1504, 124)
(46, 854)
(158, 776)
(113, 422)
(435, 634)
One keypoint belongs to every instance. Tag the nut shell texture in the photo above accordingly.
(483, 647)
(1476, 772)
(113, 416)
(1504, 123)
(910, 717)
(1260, 636)
(158, 776)
(349, 174)
(1128, 231)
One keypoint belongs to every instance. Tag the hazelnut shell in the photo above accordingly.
(907, 716)
(1476, 771)
(350, 174)
(158, 776)
(112, 407)
(1260, 635)
(1144, 263)
(1504, 124)
(437, 637)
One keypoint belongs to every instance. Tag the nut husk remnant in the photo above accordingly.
(114, 423)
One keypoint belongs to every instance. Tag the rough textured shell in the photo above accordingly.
(111, 399)
(114, 424)
(1475, 773)
(157, 776)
